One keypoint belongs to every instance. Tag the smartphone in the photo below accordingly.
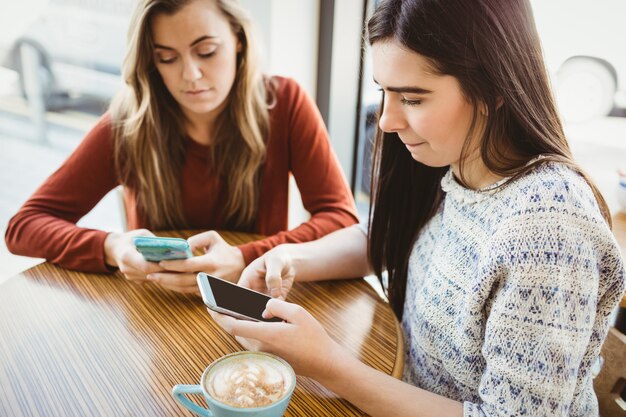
(227, 298)
(155, 249)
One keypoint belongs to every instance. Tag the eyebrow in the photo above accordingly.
(200, 39)
(406, 89)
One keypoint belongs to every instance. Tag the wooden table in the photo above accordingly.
(76, 344)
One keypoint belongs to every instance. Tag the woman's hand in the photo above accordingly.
(120, 252)
(218, 258)
(300, 339)
(272, 273)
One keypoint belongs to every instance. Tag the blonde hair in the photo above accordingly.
(148, 125)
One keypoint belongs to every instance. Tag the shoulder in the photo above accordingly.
(101, 134)
(551, 205)
(288, 94)
(553, 188)
(104, 125)
(283, 85)
(294, 110)
(552, 226)
(552, 209)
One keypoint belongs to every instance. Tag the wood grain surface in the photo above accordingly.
(76, 344)
(609, 384)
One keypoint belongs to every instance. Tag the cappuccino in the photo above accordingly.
(249, 380)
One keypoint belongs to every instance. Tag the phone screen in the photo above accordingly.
(233, 298)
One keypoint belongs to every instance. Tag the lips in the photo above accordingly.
(195, 92)
(410, 144)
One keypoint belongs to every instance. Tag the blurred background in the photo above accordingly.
(60, 66)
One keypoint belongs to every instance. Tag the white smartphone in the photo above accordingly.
(227, 298)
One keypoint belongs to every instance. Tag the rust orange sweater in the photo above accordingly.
(298, 143)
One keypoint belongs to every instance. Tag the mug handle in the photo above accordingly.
(180, 392)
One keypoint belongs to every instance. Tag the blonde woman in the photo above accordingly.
(200, 139)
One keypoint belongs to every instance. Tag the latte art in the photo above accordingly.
(249, 381)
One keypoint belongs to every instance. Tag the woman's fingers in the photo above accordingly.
(224, 321)
(249, 344)
(204, 240)
(289, 312)
(135, 268)
(184, 283)
(268, 271)
(219, 258)
(261, 331)
(196, 263)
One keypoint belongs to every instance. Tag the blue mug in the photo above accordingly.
(219, 408)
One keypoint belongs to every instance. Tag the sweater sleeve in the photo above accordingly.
(320, 179)
(558, 272)
(45, 226)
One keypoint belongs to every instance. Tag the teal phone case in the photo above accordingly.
(157, 249)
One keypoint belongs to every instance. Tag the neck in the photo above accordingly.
(199, 127)
(475, 174)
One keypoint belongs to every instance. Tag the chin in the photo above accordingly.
(429, 162)
(199, 108)
(420, 159)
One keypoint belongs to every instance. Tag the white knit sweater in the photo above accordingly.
(509, 294)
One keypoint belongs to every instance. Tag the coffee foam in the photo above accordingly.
(249, 381)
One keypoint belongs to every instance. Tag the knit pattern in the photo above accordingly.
(509, 295)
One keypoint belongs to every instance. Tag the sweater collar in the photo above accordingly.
(196, 148)
(455, 190)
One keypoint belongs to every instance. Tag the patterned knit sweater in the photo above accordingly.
(509, 294)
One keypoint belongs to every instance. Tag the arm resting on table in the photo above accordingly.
(341, 254)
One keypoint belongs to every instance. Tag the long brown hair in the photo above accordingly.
(148, 125)
(492, 48)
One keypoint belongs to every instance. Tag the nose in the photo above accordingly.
(191, 70)
(392, 118)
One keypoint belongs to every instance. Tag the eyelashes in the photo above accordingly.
(165, 61)
(404, 101)
(206, 55)
(408, 102)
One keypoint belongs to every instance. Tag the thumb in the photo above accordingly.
(204, 240)
(282, 309)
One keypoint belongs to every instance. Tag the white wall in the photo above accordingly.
(344, 82)
(289, 33)
(289, 30)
